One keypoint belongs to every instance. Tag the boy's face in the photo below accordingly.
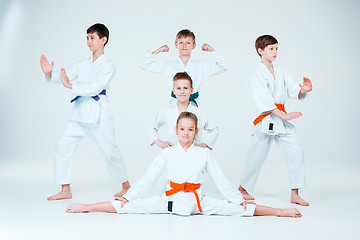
(186, 130)
(269, 53)
(94, 42)
(182, 90)
(185, 45)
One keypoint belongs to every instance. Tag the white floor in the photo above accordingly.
(25, 213)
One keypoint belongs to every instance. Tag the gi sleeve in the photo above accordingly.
(292, 87)
(226, 188)
(71, 72)
(210, 129)
(260, 91)
(154, 127)
(151, 65)
(220, 65)
(148, 179)
(93, 88)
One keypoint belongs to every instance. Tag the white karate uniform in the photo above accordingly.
(198, 70)
(266, 92)
(88, 118)
(180, 167)
(167, 118)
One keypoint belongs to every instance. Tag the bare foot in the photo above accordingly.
(290, 212)
(76, 208)
(245, 194)
(125, 188)
(60, 195)
(295, 198)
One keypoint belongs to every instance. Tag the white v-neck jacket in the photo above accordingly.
(88, 79)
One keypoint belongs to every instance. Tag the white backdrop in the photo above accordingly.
(318, 39)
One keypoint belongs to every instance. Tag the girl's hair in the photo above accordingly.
(188, 115)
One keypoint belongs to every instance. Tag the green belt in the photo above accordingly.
(191, 98)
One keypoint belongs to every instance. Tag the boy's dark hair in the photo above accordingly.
(188, 115)
(263, 41)
(185, 33)
(101, 30)
(183, 76)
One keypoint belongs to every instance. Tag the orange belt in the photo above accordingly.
(279, 106)
(186, 187)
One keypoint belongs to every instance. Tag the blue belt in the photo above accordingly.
(96, 98)
(191, 98)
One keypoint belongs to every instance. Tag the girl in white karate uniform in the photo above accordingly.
(185, 166)
(271, 86)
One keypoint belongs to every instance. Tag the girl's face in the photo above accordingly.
(186, 130)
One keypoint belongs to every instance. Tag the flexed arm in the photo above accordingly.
(150, 64)
(163, 48)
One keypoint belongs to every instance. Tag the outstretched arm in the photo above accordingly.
(305, 88)
(45, 66)
(147, 180)
(226, 188)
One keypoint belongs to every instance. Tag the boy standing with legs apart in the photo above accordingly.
(270, 87)
(90, 114)
(198, 70)
(184, 165)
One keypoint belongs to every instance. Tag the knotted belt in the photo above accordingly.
(279, 106)
(186, 187)
(96, 98)
(191, 98)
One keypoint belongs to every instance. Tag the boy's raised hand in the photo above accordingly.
(45, 65)
(65, 79)
(164, 48)
(206, 47)
(307, 85)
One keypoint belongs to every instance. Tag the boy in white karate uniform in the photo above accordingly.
(182, 88)
(90, 114)
(198, 70)
(184, 165)
(270, 87)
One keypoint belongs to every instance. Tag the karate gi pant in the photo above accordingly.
(209, 205)
(104, 136)
(258, 152)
